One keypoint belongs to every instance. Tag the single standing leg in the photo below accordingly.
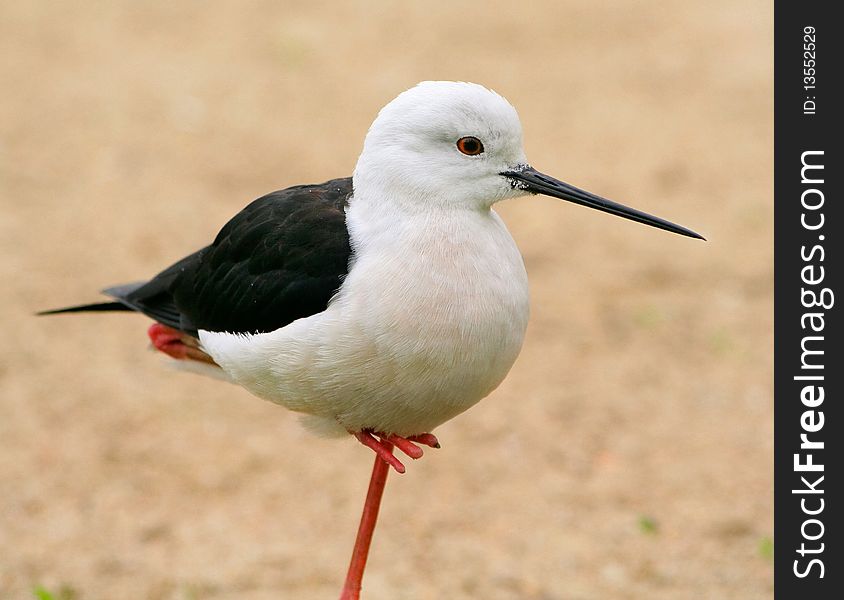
(351, 589)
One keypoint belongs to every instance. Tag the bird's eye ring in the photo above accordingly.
(470, 145)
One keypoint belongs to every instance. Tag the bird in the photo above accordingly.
(378, 306)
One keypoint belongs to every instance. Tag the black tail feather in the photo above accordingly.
(151, 298)
(100, 307)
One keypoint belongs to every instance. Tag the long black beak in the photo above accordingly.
(531, 180)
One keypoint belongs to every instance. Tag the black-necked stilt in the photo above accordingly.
(379, 306)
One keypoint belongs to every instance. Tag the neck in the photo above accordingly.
(379, 220)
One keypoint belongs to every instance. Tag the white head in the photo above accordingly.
(422, 147)
(458, 146)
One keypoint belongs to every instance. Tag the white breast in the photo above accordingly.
(429, 321)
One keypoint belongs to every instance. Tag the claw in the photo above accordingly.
(428, 439)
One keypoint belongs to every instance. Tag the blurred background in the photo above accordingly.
(628, 454)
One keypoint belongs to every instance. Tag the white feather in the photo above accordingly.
(433, 312)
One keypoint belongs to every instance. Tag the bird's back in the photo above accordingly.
(279, 259)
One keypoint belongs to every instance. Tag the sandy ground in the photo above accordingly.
(628, 454)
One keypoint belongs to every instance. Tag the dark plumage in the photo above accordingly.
(280, 259)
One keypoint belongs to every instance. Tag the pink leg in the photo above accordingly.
(384, 459)
(176, 344)
(166, 340)
(380, 470)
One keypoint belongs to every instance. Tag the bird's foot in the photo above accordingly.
(166, 339)
(382, 445)
(176, 344)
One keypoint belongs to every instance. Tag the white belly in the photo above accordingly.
(428, 322)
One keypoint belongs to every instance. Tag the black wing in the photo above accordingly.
(280, 259)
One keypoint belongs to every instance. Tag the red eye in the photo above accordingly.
(470, 145)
